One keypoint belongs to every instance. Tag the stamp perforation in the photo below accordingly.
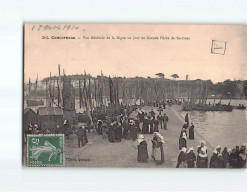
(45, 165)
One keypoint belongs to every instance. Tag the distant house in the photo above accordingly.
(49, 117)
(29, 116)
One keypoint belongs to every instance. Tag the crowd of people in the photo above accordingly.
(127, 126)
(124, 126)
(226, 158)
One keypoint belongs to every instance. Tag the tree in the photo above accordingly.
(175, 76)
(161, 75)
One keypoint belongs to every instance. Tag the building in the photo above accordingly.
(49, 118)
(29, 116)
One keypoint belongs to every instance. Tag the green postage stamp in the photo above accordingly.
(45, 150)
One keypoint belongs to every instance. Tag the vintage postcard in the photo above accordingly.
(135, 95)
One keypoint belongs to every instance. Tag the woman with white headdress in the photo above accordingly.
(158, 141)
(202, 145)
(142, 155)
(214, 161)
(202, 158)
(191, 158)
(181, 163)
(242, 156)
(183, 141)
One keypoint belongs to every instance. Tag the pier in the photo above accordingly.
(99, 152)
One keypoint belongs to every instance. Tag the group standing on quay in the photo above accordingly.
(123, 126)
(129, 127)
(228, 158)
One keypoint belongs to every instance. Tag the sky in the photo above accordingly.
(145, 57)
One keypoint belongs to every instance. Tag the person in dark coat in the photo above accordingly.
(160, 119)
(152, 113)
(164, 105)
(226, 156)
(79, 134)
(218, 149)
(151, 125)
(112, 132)
(142, 155)
(141, 116)
(191, 158)
(233, 159)
(187, 119)
(158, 142)
(214, 161)
(156, 125)
(104, 130)
(202, 159)
(145, 125)
(82, 136)
(137, 122)
(237, 150)
(99, 127)
(202, 146)
(181, 162)
(221, 161)
(162, 154)
(118, 132)
(133, 130)
(165, 119)
(66, 129)
(242, 157)
(154, 146)
(183, 130)
(185, 126)
(191, 131)
(183, 141)
(126, 128)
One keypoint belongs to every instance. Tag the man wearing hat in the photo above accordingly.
(66, 129)
(80, 135)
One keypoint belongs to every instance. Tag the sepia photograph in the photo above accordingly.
(134, 96)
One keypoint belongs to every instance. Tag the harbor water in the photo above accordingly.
(221, 128)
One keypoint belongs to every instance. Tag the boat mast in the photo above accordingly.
(29, 88)
(36, 86)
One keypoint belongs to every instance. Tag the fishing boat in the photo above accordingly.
(197, 100)
(239, 107)
(198, 107)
